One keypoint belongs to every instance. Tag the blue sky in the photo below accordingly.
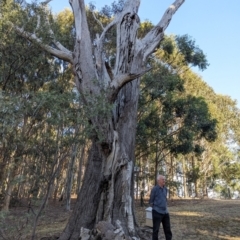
(214, 25)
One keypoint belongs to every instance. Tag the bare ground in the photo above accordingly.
(190, 219)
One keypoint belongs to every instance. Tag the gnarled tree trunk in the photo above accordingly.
(107, 192)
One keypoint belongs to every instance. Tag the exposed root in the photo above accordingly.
(106, 231)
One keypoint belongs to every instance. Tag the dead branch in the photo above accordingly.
(63, 53)
(152, 39)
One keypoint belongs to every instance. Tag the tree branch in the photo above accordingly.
(120, 80)
(130, 6)
(45, 2)
(100, 24)
(62, 53)
(77, 17)
(56, 43)
(99, 47)
(119, 16)
(152, 39)
(32, 37)
(38, 23)
(83, 62)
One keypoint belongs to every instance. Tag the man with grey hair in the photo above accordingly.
(158, 202)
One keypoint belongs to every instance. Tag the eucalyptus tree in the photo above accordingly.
(222, 108)
(106, 192)
(164, 87)
(44, 127)
(38, 110)
(226, 149)
(171, 121)
(23, 70)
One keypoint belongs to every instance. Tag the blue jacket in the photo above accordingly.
(158, 199)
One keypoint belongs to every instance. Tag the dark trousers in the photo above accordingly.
(159, 218)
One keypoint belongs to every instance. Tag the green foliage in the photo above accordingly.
(145, 27)
(180, 52)
(231, 173)
(41, 115)
(169, 116)
(98, 110)
(109, 11)
(24, 66)
(167, 45)
(175, 116)
(63, 27)
(192, 54)
(221, 130)
(193, 174)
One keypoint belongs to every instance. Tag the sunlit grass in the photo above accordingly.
(196, 219)
(186, 213)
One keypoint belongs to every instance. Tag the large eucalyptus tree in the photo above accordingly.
(107, 192)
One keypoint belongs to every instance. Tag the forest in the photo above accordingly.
(184, 130)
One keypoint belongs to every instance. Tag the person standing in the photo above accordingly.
(160, 214)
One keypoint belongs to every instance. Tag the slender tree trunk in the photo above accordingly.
(70, 178)
(196, 180)
(184, 178)
(171, 174)
(156, 165)
(7, 197)
(56, 189)
(20, 190)
(59, 186)
(54, 171)
(14, 171)
(3, 167)
(196, 188)
(204, 186)
(80, 168)
(137, 182)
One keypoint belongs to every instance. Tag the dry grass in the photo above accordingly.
(51, 222)
(202, 219)
(190, 219)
